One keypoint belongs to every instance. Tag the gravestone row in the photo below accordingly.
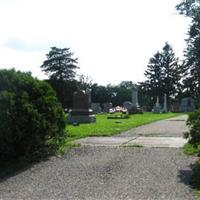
(83, 111)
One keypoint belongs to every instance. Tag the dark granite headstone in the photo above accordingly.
(80, 100)
(187, 105)
(81, 111)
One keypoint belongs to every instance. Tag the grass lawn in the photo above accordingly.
(189, 149)
(109, 127)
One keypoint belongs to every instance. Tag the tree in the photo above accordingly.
(191, 8)
(84, 82)
(163, 74)
(123, 92)
(64, 91)
(61, 68)
(101, 94)
(116, 94)
(31, 117)
(188, 7)
(59, 64)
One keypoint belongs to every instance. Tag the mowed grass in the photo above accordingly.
(109, 127)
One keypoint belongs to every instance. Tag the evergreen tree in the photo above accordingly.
(163, 74)
(61, 68)
(59, 64)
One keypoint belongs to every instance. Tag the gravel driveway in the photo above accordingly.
(109, 173)
(173, 127)
(105, 173)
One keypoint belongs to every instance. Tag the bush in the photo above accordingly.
(194, 124)
(31, 118)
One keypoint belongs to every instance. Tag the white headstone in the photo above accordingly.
(135, 96)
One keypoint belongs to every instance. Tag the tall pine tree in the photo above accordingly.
(61, 67)
(60, 64)
(163, 74)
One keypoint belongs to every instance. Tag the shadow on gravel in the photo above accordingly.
(185, 177)
(191, 176)
(12, 168)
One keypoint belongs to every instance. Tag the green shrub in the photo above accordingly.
(194, 124)
(31, 118)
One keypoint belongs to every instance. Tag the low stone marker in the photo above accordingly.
(128, 105)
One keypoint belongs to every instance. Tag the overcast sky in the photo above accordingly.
(113, 39)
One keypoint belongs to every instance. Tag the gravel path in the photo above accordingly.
(174, 127)
(105, 173)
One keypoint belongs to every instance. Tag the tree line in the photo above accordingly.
(164, 75)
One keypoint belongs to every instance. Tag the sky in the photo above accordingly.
(112, 39)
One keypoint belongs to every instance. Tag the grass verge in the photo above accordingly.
(109, 127)
(189, 149)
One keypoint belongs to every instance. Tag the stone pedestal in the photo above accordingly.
(157, 107)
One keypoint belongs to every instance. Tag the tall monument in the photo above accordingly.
(135, 96)
(165, 104)
(157, 107)
(135, 107)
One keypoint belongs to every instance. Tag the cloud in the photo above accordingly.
(113, 39)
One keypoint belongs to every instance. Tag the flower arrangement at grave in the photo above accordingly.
(118, 113)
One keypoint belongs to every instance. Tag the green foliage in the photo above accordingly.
(31, 117)
(188, 7)
(189, 149)
(60, 64)
(84, 82)
(61, 68)
(64, 90)
(191, 8)
(194, 124)
(163, 74)
(116, 94)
